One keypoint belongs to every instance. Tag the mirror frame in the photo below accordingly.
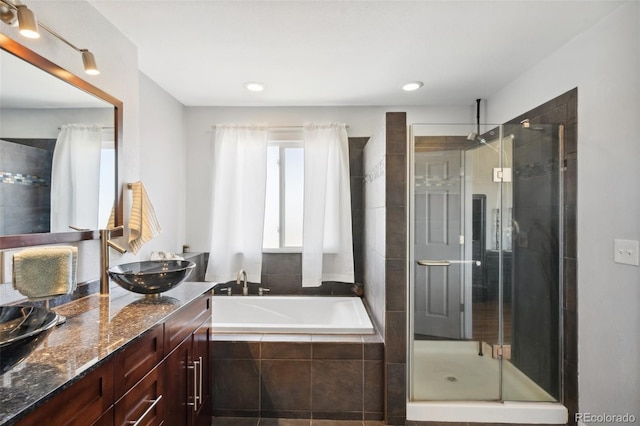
(25, 240)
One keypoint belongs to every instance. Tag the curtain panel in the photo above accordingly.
(327, 248)
(238, 200)
(75, 177)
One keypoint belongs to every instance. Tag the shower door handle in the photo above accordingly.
(446, 262)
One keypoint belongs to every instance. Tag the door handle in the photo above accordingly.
(196, 398)
(446, 262)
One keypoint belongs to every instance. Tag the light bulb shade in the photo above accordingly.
(27, 22)
(89, 62)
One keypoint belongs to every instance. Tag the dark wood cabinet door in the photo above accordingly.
(202, 362)
(180, 384)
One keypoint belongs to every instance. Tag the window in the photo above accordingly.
(284, 196)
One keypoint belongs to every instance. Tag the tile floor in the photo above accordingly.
(252, 421)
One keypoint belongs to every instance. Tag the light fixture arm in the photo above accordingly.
(87, 57)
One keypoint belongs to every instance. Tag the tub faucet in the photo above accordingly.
(105, 243)
(242, 274)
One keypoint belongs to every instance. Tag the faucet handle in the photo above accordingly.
(228, 290)
(262, 290)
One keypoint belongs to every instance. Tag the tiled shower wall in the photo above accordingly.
(395, 327)
(375, 227)
(25, 193)
(564, 110)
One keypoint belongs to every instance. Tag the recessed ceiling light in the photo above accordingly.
(413, 85)
(254, 86)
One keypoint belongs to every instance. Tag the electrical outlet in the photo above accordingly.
(626, 251)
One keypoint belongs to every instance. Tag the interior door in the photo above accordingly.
(438, 243)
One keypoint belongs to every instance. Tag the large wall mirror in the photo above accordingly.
(59, 142)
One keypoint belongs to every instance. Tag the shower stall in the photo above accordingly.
(485, 282)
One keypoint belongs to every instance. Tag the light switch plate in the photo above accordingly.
(626, 251)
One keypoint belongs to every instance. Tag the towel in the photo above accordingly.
(143, 224)
(45, 272)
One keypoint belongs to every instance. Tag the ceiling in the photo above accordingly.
(321, 53)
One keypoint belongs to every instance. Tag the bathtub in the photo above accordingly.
(290, 314)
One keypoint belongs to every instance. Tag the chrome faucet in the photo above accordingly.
(242, 274)
(105, 243)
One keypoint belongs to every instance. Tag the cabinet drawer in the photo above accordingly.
(137, 359)
(105, 420)
(81, 404)
(144, 403)
(181, 324)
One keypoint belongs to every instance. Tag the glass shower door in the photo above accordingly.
(485, 240)
(456, 191)
(533, 265)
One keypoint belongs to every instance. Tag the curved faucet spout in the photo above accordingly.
(105, 243)
(242, 275)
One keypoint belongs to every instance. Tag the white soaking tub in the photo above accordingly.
(290, 314)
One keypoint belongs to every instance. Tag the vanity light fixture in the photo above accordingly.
(413, 85)
(254, 86)
(89, 62)
(29, 27)
(27, 22)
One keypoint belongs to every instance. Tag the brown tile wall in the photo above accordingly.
(299, 378)
(564, 110)
(395, 268)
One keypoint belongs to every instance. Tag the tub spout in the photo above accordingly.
(242, 275)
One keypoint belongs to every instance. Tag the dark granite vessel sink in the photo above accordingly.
(151, 277)
(22, 328)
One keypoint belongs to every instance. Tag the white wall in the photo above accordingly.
(162, 164)
(604, 63)
(362, 121)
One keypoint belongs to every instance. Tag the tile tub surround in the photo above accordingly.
(298, 376)
(96, 328)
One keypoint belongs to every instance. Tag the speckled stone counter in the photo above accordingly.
(96, 328)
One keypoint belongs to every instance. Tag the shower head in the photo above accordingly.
(473, 136)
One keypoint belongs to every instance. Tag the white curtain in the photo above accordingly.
(239, 181)
(327, 247)
(75, 177)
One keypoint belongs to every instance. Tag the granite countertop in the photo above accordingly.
(96, 327)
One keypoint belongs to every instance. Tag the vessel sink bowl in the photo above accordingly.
(22, 328)
(151, 277)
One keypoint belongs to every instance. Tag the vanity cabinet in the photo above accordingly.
(187, 367)
(161, 377)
